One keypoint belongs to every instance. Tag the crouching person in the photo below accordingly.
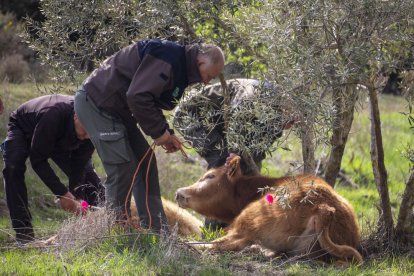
(41, 129)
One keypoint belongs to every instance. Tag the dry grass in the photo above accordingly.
(85, 230)
(80, 231)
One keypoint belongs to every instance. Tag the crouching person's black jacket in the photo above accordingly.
(47, 125)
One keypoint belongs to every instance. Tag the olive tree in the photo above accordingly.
(322, 55)
(317, 47)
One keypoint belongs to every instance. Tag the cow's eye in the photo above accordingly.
(209, 176)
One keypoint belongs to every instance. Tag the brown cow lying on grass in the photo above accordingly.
(308, 218)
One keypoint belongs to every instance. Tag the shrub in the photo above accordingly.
(14, 68)
(17, 59)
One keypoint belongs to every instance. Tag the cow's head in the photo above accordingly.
(213, 194)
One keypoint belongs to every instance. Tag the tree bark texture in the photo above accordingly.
(308, 147)
(344, 103)
(378, 166)
(406, 206)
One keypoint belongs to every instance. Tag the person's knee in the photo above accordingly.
(14, 169)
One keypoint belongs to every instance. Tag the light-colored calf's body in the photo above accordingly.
(187, 224)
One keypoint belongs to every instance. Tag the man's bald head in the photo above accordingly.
(210, 61)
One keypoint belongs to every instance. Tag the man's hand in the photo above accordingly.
(173, 145)
(163, 139)
(69, 203)
(170, 142)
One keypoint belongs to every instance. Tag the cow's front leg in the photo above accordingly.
(230, 243)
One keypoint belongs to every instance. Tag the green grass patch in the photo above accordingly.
(136, 255)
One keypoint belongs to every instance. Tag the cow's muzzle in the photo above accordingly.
(181, 199)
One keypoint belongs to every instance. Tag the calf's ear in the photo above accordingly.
(233, 167)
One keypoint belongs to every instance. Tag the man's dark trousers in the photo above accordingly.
(121, 149)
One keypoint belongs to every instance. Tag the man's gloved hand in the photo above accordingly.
(170, 142)
(163, 139)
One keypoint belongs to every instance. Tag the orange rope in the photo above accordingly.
(182, 148)
(151, 148)
(129, 219)
(190, 146)
(146, 188)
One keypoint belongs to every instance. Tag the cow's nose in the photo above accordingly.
(179, 197)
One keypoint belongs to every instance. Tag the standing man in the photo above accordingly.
(42, 128)
(134, 86)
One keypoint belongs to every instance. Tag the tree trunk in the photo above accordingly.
(406, 206)
(308, 147)
(344, 103)
(378, 166)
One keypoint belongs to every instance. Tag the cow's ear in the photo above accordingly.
(233, 167)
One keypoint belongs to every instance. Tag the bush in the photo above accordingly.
(10, 42)
(14, 68)
(17, 60)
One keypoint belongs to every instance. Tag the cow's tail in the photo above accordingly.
(341, 251)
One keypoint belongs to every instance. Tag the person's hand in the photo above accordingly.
(170, 142)
(163, 139)
(173, 145)
(69, 203)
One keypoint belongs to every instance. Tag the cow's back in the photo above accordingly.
(296, 201)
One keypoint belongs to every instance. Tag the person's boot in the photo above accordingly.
(24, 235)
(159, 223)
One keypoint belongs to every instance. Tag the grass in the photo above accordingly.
(143, 254)
(120, 255)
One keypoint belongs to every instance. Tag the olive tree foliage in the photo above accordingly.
(316, 47)
(77, 31)
(74, 31)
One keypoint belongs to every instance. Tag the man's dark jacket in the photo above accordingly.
(140, 80)
(47, 124)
